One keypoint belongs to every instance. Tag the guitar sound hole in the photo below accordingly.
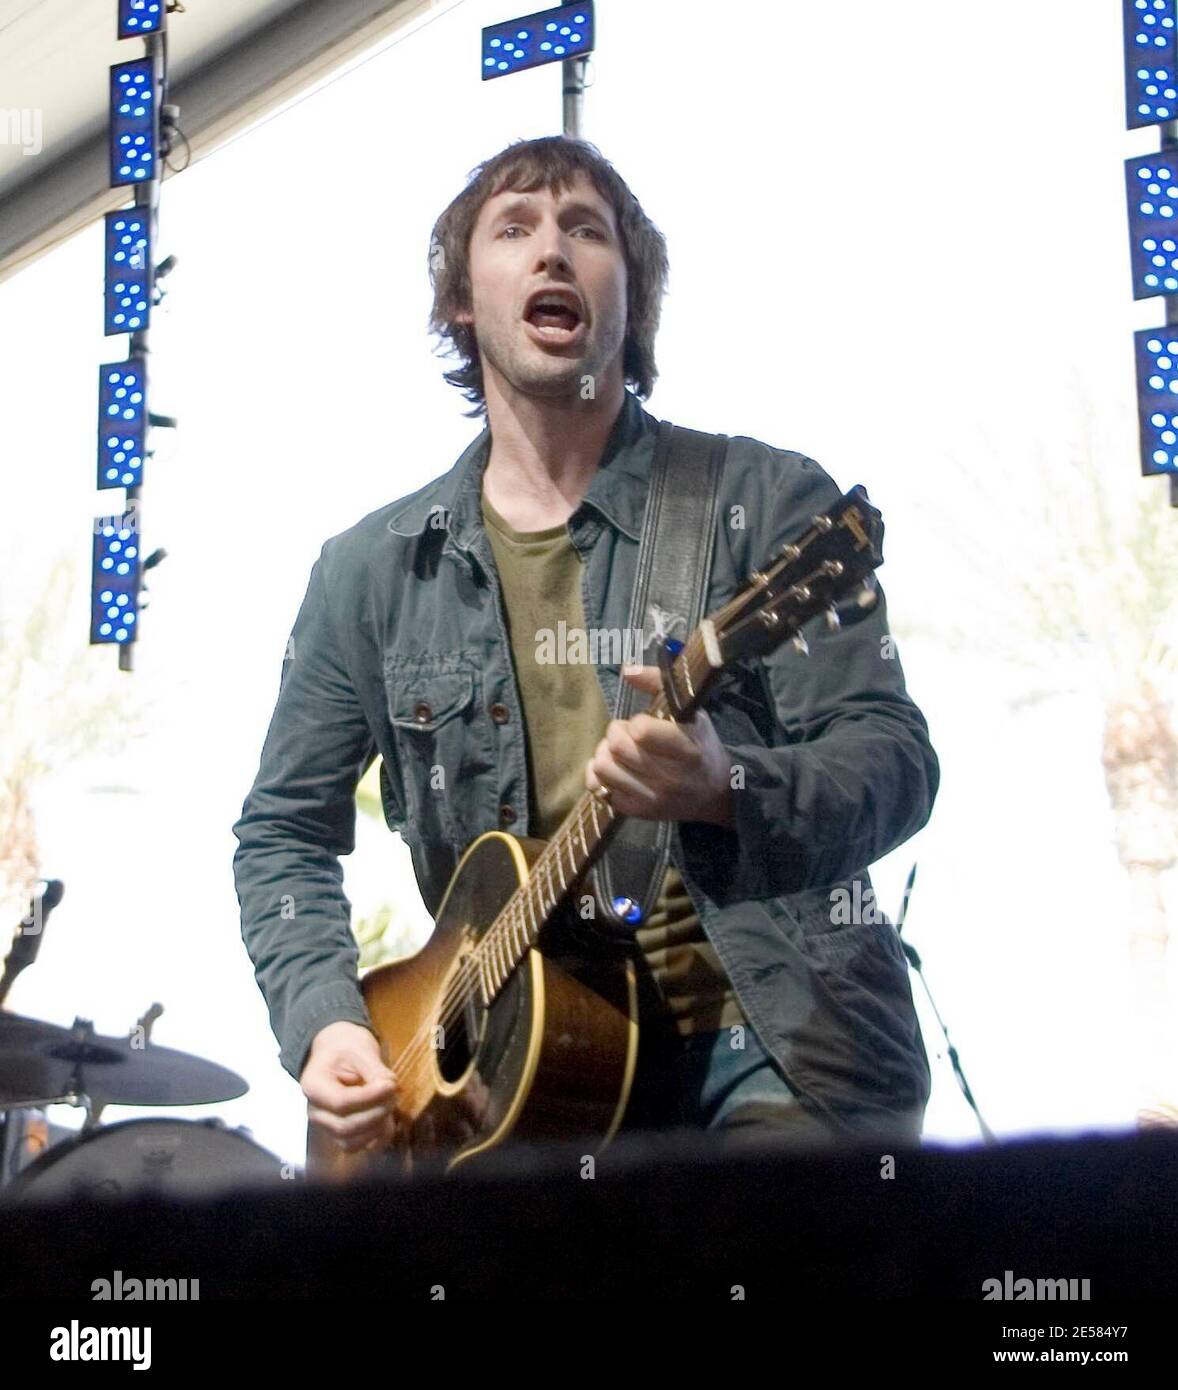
(463, 1034)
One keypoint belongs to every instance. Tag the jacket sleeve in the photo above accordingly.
(851, 773)
(297, 820)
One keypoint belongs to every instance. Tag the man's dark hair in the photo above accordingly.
(552, 162)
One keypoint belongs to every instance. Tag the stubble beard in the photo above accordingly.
(529, 369)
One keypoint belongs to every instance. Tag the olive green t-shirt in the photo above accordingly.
(540, 574)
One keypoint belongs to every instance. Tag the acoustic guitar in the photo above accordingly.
(518, 1019)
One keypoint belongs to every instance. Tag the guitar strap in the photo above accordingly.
(670, 587)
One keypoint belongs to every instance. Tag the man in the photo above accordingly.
(773, 991)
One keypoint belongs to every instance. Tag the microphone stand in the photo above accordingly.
(915, 962)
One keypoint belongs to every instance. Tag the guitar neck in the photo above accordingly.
(580, 840)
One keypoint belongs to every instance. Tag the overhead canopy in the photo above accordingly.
(229, 63)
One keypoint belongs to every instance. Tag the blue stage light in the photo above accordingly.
(1151, 193)
(127, 271)
(134, 130)
(549, 36)
(1150, 30)
(115, 576)
(1156, 353)
(139, 17)
(122, 422)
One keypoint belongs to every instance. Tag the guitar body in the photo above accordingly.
(551, 1058)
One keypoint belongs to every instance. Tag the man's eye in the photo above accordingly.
(511, 227)
(587, 228)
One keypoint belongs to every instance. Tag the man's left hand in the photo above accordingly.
(659, 769)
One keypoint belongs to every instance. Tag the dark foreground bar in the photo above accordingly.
(650, 1219)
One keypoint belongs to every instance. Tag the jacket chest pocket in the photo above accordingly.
(444, 744)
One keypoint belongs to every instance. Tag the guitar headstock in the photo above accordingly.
(836, 554)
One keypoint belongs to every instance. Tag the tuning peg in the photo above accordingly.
(866, 595)
(833, 621)
(801, 644)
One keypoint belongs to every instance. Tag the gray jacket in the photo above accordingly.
(399, 649)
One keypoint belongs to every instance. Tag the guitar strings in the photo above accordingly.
(464, 984)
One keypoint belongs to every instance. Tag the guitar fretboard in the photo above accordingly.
(580, 839)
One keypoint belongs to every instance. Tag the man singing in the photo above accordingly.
(773, 991)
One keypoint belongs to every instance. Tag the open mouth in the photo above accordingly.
(554, 322)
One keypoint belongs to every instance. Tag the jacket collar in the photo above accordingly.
(617, 490)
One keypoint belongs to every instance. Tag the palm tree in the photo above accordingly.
(60, 699)
(1079, 578)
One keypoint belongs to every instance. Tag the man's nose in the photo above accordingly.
(551, 249)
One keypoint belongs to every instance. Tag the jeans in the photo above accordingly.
(725, 1082)
(714, 1080)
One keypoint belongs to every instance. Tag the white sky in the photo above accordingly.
(897, 244)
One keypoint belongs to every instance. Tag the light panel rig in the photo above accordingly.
(549, 36)
(1150, 30)
(137, 144)
(117, 565)
(139, 17)
(565, 34)
(127, 271)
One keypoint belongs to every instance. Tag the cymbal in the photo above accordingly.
(42, 1060)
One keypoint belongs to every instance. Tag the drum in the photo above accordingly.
(169, 1156)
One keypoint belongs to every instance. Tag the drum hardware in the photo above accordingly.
(169, 1156)
(26, 940)
(44, 1064)
(41, 1060)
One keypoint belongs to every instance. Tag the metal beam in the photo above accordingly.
(273, 65)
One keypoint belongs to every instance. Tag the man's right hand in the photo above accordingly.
(350, 1092)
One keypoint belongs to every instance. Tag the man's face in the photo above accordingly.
(527, 246)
